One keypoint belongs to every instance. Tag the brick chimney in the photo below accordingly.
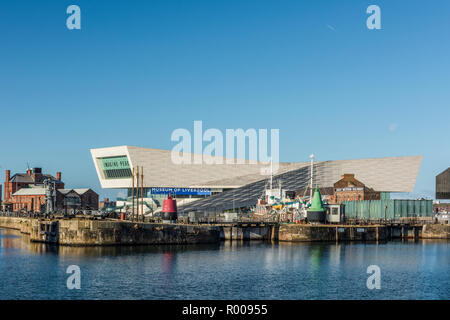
(37, 175)
(58, 176)
(8, 175)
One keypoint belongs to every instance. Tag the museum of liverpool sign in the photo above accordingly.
(182, 191)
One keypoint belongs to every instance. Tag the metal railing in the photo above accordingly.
(37, 215)
(392, 221)
(15, 214)
(217, 219)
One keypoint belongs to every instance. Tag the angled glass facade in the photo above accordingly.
(115, 167)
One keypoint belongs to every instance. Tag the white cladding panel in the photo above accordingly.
(397, 174)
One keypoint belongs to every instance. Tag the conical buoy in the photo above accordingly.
(169, 210)
(316, 213)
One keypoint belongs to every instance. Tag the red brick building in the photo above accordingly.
(27, 199)
(32, 194)
(351, 189)
(26, 192)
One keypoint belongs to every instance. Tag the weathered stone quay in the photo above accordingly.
(293, 233)
(248, 231)
(304, 232)
(322, 232)
(84, 232)
(436, 231)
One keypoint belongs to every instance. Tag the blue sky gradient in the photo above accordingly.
(137, 70)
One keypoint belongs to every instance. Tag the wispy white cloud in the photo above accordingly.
(393, 127)
(331, 27)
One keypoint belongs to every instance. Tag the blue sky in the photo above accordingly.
(137, 70)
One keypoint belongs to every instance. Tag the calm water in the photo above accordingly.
(409, 270)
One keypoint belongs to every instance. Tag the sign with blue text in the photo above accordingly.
(182, 191)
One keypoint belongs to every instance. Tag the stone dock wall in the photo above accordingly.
(298, 233)
(81, 232)
(103, 232)
(436, 231)
(21, 224)
(98, 232)
(262, 232)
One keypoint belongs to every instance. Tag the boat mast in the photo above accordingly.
(312, 173)
(271, 173)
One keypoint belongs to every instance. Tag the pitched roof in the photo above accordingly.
(443, 172)
(36, 191)
(347, 180)
(22, 178)
(65, 191)
(26, 178)
(81, 191)
(78, 191)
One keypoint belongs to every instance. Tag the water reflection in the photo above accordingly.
(13, 239)
(168, 263)
(229, 270)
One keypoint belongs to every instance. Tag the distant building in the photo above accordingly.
(441, 207)
(443, 185)
(351, 189)
(33, 195)
(26, 192)
(207, 188)
(106, 203)
(33, 177)
(30, 198)
(80, 199)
